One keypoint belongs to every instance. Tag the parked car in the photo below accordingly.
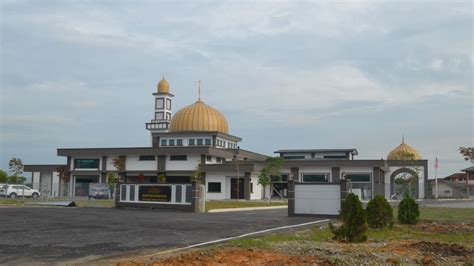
(13, 191)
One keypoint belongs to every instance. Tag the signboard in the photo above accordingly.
(98, 190)
(154, 193)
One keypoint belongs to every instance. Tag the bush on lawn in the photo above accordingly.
(379, 213)
(354, 221)
(408, 212)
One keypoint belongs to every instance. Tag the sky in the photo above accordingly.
(286, 74)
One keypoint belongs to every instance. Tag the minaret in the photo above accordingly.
(162, 115)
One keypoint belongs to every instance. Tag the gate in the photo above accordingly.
(314, 199)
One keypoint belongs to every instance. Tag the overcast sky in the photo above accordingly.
(287, 74)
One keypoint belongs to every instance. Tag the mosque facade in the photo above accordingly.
(196, 142)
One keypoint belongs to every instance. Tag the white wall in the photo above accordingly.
(317, 199)
(55, 191)
(36, 180)
(225, 186)
(257, 189)
(189, 165)
(132, 163)
(110, 164)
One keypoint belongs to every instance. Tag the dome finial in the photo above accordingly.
(403, 138)
(199, 92)
(163, 76)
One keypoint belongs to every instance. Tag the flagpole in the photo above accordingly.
(436, 178)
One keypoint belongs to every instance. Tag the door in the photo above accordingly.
(236, 188)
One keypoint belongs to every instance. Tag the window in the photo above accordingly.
(159, 116)
(251, 187)
(335, 157)
(171, 142)
(321, 178)
(191, 142)
(168, 116)
(283, 178)
(218, 159)
(293, 157)
(146, 158)
(86, 163)
(207, 141)
(223, 143)
(209, 158)
(359, 177)
(199, 142)
(160, 103)
(178, 158)
(179, 142)
(132, 193)
(178, 193)
(214, 187)
(168, 104)
(164, 142)
(361, 184)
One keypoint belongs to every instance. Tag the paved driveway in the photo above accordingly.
(45, 235)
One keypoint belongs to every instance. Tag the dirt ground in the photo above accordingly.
(391, 252)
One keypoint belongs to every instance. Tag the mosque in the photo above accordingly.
(196, 139)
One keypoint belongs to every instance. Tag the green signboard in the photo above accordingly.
(155, 193)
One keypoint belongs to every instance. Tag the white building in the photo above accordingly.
(197, 139)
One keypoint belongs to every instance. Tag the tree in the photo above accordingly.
(16, 166)
(197, 175)
(271, 169)
(354, 222)
(162, 178)
(3, 176)
(111, 180)
(408, 211)
(119, 164)
(467, 153)
(379, 213)
(64, 174)
(16, 169)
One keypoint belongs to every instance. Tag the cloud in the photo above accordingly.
(299, 66)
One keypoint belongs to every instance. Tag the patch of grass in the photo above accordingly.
(459, 215)
(224, 204)
(266, 241)
(401, 232)
(79, 202)
(426, 232)
(10, 201)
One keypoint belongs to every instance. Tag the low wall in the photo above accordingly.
(182, 197)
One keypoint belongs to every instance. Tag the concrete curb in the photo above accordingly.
(247, 209)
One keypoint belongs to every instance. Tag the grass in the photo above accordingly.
(79, 202)
(465, 215)
(212, 204)
(398, 232)
(224, 204)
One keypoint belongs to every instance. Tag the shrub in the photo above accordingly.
(354, 221)
(408, 212)
(379, 213)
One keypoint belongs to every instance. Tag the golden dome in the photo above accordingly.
(199, 117)
(163, 86)
(404, 152)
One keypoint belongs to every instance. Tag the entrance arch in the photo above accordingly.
(404, 180)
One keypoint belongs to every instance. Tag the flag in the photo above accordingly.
(436, 165)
